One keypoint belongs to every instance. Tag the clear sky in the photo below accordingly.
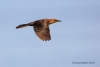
(75, 39)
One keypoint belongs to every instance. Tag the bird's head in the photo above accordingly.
(51, 21)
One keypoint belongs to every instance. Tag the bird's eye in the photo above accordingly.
(56, 20)
(53, 20)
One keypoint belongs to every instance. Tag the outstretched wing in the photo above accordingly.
(42, 31)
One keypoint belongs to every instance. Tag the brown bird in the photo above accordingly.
(41, 27)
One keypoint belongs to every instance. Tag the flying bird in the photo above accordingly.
(41, 27)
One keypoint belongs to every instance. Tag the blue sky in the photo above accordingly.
(75, 39)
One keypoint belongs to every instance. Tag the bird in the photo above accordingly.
(41, 27)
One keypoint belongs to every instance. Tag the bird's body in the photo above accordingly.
(41, 28)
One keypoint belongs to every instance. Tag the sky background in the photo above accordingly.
(75, 39)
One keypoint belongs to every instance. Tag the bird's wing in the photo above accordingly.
(42, 31)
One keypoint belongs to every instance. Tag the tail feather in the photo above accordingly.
(22, 25)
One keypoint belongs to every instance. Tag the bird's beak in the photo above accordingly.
(58, 20)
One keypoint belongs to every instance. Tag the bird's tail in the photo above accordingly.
(22, 25)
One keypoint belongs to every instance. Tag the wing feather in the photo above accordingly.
(42, 31)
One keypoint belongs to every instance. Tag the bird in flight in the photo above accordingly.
(41, 27)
